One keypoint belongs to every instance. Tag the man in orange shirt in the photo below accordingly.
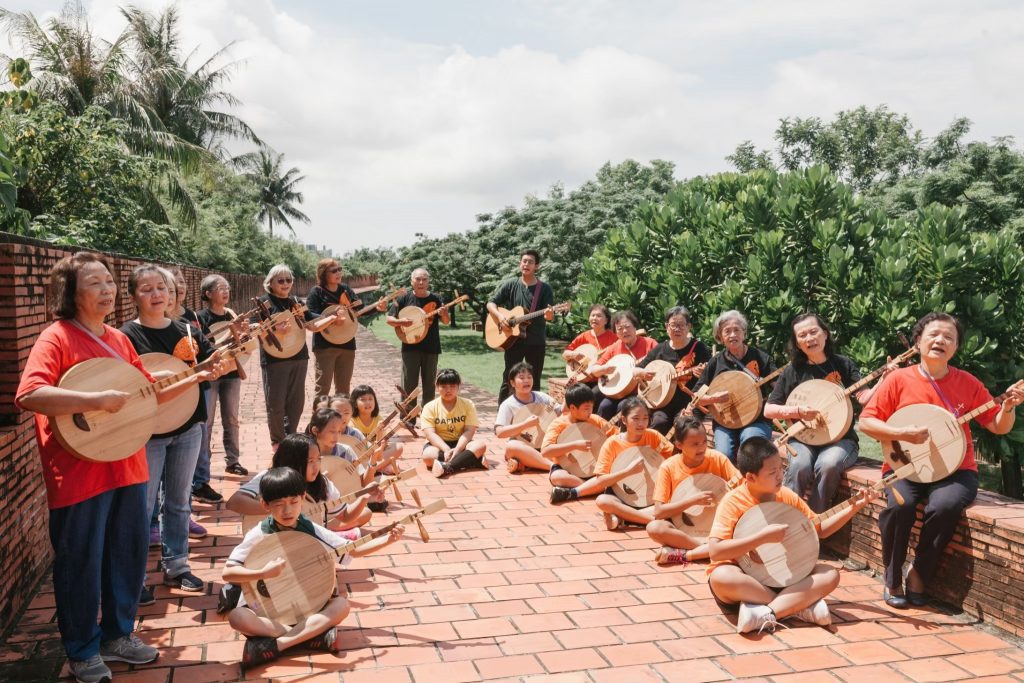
(690, 437)
(761, 607)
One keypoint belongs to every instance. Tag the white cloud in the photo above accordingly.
(403, 128)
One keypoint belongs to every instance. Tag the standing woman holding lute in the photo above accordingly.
(815, 471)
(98, 524)
(730, 330)
(331, 362)
(284, 379)
(933, 382)
(171, 455)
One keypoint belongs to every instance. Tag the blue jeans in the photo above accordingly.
(228, 392)
(816, 470)
(100, 547)
(727, 441)
(173, 460)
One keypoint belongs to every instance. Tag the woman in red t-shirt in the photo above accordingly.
(98, 524)
(626, 325)
(937, 337)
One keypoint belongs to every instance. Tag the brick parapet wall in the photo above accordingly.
(25, 265)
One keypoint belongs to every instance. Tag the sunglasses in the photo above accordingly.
(334, 270)
(283, 280)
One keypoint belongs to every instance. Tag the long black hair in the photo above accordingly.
(293, 452)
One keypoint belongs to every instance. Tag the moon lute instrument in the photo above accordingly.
(620, 382)
(833, 401)
(176, 412)
(576, 369)
(346, 323)
(944, 451)
(535, 435)
(309, 577)
(697, 520)
(421, 319)
(782, 564)
(581, 463)
(637, 490)
(518, 319)
(658, 392)
(101, 436)
(745, 403)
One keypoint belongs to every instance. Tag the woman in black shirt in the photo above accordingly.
(332, 362)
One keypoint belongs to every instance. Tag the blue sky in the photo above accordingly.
(412, 117)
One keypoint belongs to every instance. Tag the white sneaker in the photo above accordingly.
(755, 618)
(815, 614)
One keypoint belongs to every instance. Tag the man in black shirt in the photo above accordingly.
(533, 295)
(419, 361)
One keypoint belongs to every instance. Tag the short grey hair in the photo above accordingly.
(416, 270)
(728, 316)
(279, 269)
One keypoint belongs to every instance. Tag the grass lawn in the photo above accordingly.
(465, 350)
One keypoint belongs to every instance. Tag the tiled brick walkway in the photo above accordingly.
(513, 589)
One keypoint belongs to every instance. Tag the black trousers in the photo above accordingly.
(947, 500)
(533, 354)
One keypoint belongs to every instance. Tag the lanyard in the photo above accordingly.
(106, 347)
(938, 390)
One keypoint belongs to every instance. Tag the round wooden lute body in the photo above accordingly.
(745, 401)
(835, 407)
(943, 452)
(344, 329)
(176, 412)
(778, 564)
(620, 382)
(96, 434)
(292, 338)
(357, 445)
(696, 520)
(535, 435)
(637, 490)
(574, 368)
(305, 585)
(342, 473)
(581, 463)
(659, 391)
(417, 331)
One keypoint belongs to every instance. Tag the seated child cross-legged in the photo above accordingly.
(579, 406)
(281, 494)
(690, 437)
(449, 424)
(636, 417)
(761, 607)
(518, 453)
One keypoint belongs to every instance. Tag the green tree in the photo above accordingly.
(277, 189)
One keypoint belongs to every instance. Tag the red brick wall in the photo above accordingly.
(24, 274)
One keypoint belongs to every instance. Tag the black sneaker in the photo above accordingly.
(205, 494)
(186, 582)
(258, 651)
(560, 494)
(146, 597)
(325, 641)
(236, 468)
(378, 506)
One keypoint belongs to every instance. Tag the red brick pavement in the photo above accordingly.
(512, 589)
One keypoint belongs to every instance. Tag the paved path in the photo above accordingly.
(512, 589)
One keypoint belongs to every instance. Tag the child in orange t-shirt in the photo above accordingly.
(636, 417)
(690, 437)
(579, 406)
(761, 607)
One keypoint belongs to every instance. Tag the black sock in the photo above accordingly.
(463, 460)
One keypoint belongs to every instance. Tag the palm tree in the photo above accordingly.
(277, 192)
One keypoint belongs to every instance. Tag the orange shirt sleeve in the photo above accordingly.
(665, 483)
(604, 425)
(609, 451)
(720, 465)
(579, 341)
(612, 350)
(658, 442)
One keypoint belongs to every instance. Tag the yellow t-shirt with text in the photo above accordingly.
(449, 424)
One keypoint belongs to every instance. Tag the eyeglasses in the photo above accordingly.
(283, 280)
(334, 270)
(676, 326)
(222, 289)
